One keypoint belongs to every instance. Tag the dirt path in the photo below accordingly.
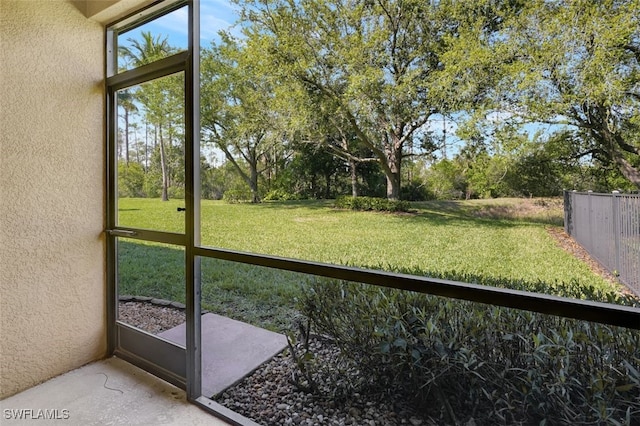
(568, 244)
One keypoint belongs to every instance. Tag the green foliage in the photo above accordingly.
(144, 51)
(158, 104)
(415, 190)
(313, 172)
(152, 184)
(131, 179)
(237, 196)
(371, 203)
(383, 78)
(445, 181)
(459, 360)
(240, 114)
(572, 289)
(302, 121)
(512, 165)
(176, 192)
(595, 91)
(216, 181)
(279, 195)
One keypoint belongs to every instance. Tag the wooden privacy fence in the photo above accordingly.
(608, 227)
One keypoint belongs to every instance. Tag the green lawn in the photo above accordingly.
(495, 238)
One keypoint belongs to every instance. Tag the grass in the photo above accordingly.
(257, 295)
(495, 238)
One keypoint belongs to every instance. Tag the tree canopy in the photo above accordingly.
(579, 63)
(319, 98)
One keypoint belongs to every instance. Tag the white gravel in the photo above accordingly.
(270, 397)
(150, 317)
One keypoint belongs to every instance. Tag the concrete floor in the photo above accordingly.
(108, 392)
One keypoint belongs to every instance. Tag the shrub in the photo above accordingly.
(458, 360)
(176, 192)
(152, 186)
(572, 289)
(237, 196)
(279, 195)
(371, 203)
(415, 191)
(130, 179)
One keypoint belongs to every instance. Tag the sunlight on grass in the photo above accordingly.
(151, 213)
(486, 239)
(431, 239)
(439, 236)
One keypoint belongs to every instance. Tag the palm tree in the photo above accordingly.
(152, 95)
(126, 99)
(147, 50)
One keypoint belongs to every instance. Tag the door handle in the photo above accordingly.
(121, 233)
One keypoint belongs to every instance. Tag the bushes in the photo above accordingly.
(371, 203)
(131, 179)
(176, 192)
(237, 196)
(458, 360)
(572, 289)
(279, 195)
(415, 190)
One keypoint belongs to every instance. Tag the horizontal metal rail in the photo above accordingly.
(160, 68)
(605, 313)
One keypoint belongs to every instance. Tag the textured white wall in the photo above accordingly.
(52, 259)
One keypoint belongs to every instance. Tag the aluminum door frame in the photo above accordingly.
(160, 357)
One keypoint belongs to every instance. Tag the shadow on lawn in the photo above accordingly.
(519, 211)
(491, 213)
(293, 204)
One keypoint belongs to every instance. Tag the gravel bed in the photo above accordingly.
(150, 317)
(270, 397)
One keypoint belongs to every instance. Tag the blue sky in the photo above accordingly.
(215, 15)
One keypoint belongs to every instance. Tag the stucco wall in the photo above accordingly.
(52, 261)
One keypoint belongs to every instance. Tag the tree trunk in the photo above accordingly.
(313, 185)
(393, 186)
(146, 148)
(252, 179)
(327, 193)
(126, 136)
(163, 167)
(392, 172)
(626, 168)
(253, 184)
(354, 178)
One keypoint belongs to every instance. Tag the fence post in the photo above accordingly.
(567, 214)
(615, 206)
(590, 249)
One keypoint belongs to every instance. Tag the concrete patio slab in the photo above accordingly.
(230, 350)
(107, 392)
